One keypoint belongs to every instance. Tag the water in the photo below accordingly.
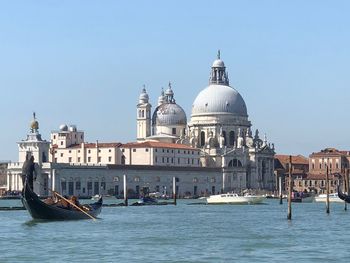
(182, 233)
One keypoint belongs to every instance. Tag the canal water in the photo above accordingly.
(182, 233)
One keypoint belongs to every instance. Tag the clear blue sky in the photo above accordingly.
(84, 63)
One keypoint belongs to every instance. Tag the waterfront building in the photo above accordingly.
(214, 152)
(313, 179)
(300, 168)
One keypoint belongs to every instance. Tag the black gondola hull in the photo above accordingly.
(40, 210)
(343, 196)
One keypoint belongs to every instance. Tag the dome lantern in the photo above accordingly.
(218, 72)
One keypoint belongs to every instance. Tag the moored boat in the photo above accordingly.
(233, 198)
(343, 196)
(40, 210)
(301, 197)
(333, 197)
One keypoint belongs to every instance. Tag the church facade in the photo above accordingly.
(214, 151)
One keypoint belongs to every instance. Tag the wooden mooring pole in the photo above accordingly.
(346, 186)
(174, 189)
(280, 189)
(327, 189)
(125, 191)
(289, 216)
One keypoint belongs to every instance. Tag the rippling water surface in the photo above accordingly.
(182, 233)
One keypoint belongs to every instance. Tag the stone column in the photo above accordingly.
(8, 187)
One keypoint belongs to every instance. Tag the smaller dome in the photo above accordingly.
(169, 114)
(72, 128)
(218, 63)
(63, 127)
(34, 125)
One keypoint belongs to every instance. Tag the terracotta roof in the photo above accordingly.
(330, 152)
(296, 159)
(100, 145)
(150, 144)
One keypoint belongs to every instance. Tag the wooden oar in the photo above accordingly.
(93, 218)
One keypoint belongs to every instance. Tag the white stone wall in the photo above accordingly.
(108, 179)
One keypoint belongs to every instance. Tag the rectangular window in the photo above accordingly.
(70, 151)
(156, 150)
(134, 150)
(167, 159)
(167, 151)
(162, 159)
(70, 159)
(77, 185)
(78, 159)
(89, 159)
(99, 150)
(156, 160)
(123, 150)
(78, 151)
(54, 136)
(174, 131)
(89, 151)
(163, 150)
(61, 142)
(61, 154)
(55, 160)
(99, 159)
(178, 160)
(172, 151)
(109, 159)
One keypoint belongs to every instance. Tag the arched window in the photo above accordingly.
(224, 135)
(202, 138)
(143, 114)
(232, 138)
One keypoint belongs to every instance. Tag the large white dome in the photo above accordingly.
(216, 99)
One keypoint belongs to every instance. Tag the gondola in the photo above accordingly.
(343, 196)
(40, 210)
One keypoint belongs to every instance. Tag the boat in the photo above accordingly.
(343, 196)
(40, 210)
(333, 197)
(233, 198)
(301, 197)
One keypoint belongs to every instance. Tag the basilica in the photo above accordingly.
(214, 151)
(219, 127)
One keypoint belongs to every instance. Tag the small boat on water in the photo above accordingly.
(233, 198)
(333, 197)
(40, 210)
(301, 197)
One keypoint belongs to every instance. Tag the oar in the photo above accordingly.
(93, 218)
(54, 192)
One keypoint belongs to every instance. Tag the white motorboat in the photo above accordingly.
(232, 198)
(332, 198)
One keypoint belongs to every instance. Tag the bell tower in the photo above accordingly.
(143, 116)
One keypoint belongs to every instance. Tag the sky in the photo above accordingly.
(85, 62)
